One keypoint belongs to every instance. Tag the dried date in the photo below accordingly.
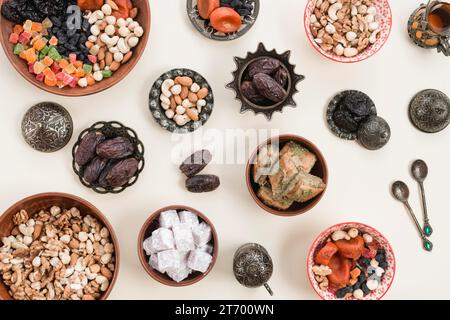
(102, 179)
(86, 149)
(93, 170)
(117, 148)
(264, 65)
(282, 77)
(196, 163)
(203, 183)
(122, 172)
(269, 88)
(249, 91)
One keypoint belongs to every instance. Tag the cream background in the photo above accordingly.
(359, 179)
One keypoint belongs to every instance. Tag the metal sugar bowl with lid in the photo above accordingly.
(253, 266)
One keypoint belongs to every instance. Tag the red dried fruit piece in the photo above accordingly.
(206, 7)
(351, 249)
(225, 20)
(91, 5)
(371, 251)
(340, 268)
(124, 9)
(326, 253)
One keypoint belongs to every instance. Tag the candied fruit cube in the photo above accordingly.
(74, 82)
(87, 68)
(31, 67)
(48, 72)
(90, 79)
(63, 63)
(40, 77)
(18, 48)
(55, 67)
(13, 38)
(39, 67)
(30, 55)
(39, 44)
(70, 68)
(60, 76)
(54, 54)
(25, 37)
(36, 26)
(28, 25)
(41, 56)
(45, 50)
(72, 57)
(67, 79)
(47, 23)
(50, 81)
(92, 59)
(79, 72)
(48, 61)
(53, 41)
(18, 29)
(78, 64)
(107, 73)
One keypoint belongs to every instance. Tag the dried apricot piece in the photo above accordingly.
(206, 7)
(351, 249)
(340, 268)
(225, 20)
(326, 253)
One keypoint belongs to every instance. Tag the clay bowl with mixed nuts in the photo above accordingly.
(370, 235)
(307, 175)
(143, 18)
(42, 209)
(152, 224)
(347, 31)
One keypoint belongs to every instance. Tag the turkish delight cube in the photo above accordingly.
(162, 239)
(168, 219)
(202, 234)
(153, 262)
(189, 218)
(199, 260)
(168, 260)
(184, 241)
(180, 274)
(148, 247)
(207, 248)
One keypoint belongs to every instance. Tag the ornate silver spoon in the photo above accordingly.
(419, 170)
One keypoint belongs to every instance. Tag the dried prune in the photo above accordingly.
(203, 183)
(93, 170)
(117, 148)
(249, 91)
(196, 163)
(122, 172)
(264, 65)
(86, 149)
(269, 88)
(357, 103)
(282, 77)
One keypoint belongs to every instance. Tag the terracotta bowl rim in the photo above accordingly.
(358, 57)
(101, 217)
(337, 225)
(144, 260)
(81, 92)
(311, 147)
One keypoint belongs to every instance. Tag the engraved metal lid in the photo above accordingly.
(253, 266)
(429, 111)
(374, 133)
(47, 127)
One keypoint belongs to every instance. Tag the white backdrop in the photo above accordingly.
(359, 179)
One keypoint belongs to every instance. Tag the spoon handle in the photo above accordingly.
(426, 227)
(268, 289)
(427, 245)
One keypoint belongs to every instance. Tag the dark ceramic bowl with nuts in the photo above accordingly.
(287, 175)
(167, 232)
(265, 81)
(16, 220)
(181, 101)
(108, 157)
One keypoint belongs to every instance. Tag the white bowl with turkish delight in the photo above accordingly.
(178, 246)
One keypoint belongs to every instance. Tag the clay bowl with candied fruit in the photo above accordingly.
(311, 176)
(351, 261)
(45, 201)
(151, 224)
(144, 19)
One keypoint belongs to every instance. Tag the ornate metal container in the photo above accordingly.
(429, 111)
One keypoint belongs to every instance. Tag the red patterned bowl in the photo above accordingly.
(388, 276)
(385, 17)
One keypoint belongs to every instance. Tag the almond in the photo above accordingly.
(108, 58)
(106, 273)
(173, 104)
(178, 100)
(184, 93)
(192, 97)
(102, 64)
(127, 57)
(134, 12)
(114, 66)
(37, 231)
(192, 113)
(112, 4)
(202, 93)
(101, 54)
(185, 81)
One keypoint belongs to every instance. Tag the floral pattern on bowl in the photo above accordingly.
(385, 18)
(389, 274)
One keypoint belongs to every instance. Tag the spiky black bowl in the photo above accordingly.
(239, 74)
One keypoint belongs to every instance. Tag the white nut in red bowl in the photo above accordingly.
(369, 20)
(384, 277)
